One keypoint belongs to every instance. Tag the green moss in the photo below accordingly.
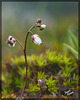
(43, 66)
(52, 57)
(19, 82)
(51, 85)
(67, 70)
(65, 60)
(41, 75)
(18, 60)
(40, 61)
(33, 88)
(22, 72)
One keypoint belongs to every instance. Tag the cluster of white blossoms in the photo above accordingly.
(11, 41)
(35, 38)
(40, 24)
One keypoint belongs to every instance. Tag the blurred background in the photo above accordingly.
(18, 17)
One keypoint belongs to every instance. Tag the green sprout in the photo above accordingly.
(33, 88)
(67, 70)
(41, 75)
(51, 85)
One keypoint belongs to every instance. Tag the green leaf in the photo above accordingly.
(71, 49)
(74, 40)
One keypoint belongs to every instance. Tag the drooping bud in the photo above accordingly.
(11, 41)
(42, 26)
(36, 39)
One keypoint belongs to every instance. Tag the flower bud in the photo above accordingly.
(39, 20)
(40, 82)
(42, 26)
(36, 39)
(11, 41)
(38, 24)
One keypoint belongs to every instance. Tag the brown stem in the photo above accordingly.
(31, 32)
(26, 57)
(41, 89)
(19, 43)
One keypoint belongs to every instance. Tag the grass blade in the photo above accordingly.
(71, 49)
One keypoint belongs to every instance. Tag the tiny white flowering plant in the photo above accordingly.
(35, 39)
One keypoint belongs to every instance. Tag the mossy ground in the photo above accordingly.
(60, 72)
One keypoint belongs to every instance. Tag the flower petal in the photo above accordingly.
(11, 41)
(36, 39)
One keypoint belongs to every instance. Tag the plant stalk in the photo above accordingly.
(41, 89)
(26, 57)
(19, 43)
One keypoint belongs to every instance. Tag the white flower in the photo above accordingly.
(11, 41)
(40, 82)
(36, 39)
(42, 26)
